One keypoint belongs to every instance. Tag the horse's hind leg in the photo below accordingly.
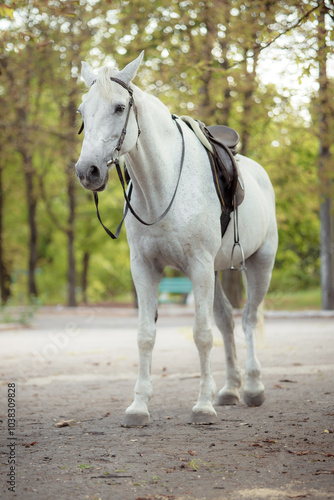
(259, 267)
(223, 313)
(146, 281)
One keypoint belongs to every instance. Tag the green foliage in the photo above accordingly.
(200, 59)
(22, 315)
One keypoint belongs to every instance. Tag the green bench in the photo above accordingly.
(179, 285)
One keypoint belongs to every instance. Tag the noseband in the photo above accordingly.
(115, 161)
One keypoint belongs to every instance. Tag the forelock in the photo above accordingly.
(103, 81)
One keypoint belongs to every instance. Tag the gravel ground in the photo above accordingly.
(79, 367)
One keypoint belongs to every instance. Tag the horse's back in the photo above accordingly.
(250, 169)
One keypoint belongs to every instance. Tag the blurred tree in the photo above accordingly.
(325, 111)
(200, 59)
(4, 272)
(5, 138)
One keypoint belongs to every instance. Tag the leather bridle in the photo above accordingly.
(123, 133)
(115, 161)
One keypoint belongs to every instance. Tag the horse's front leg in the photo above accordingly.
(146, 282)
(203, 283)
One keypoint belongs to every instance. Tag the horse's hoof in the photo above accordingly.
(254, 399)
(136, 420)
(227, 398)
(202, 418)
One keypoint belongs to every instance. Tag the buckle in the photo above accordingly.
(114, 159)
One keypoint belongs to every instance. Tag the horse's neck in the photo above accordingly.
(154, 163)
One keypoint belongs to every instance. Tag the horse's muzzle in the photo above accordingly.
(92, 178)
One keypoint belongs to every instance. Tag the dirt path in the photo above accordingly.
(81, 366)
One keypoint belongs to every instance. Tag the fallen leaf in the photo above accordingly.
(328, 431)
(298, 495)
(299, 453)
(257, 444)
(65, 423)
(191, 452)
(286, 380)
(27, 445)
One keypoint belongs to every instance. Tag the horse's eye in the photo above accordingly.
(119, 109)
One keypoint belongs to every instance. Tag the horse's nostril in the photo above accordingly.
(93, 173)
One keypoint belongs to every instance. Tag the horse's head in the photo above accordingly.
(107, 111)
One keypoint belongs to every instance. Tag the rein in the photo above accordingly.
(115, 161)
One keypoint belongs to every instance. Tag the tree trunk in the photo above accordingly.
(325, 170)
(232, 286)
(247, 116)
(4, 275)
(71, 274)
(31, 204)
(224, 116)
(84, 276)
(326, 252)
(207, 106)
(24, 148)
(70, 117)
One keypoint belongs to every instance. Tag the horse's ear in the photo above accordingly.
(87, 74)
(129, 72)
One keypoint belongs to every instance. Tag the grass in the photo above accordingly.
(278, 300)
(287, 300)
(297, 300)
(23, 315)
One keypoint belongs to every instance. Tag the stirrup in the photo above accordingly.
(237, 243)
(242, 266)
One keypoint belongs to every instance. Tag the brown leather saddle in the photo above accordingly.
(224, 141)
(221, 144)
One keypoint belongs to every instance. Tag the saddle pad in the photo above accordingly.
(195, 126)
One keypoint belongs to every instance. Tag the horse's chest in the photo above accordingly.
(163, 245)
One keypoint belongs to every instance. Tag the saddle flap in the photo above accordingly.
(228, 175)
(224, 135)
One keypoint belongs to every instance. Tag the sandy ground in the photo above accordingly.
(81, 365)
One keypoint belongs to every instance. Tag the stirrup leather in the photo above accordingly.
(242, 266)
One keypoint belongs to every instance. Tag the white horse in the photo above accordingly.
(187, 238)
